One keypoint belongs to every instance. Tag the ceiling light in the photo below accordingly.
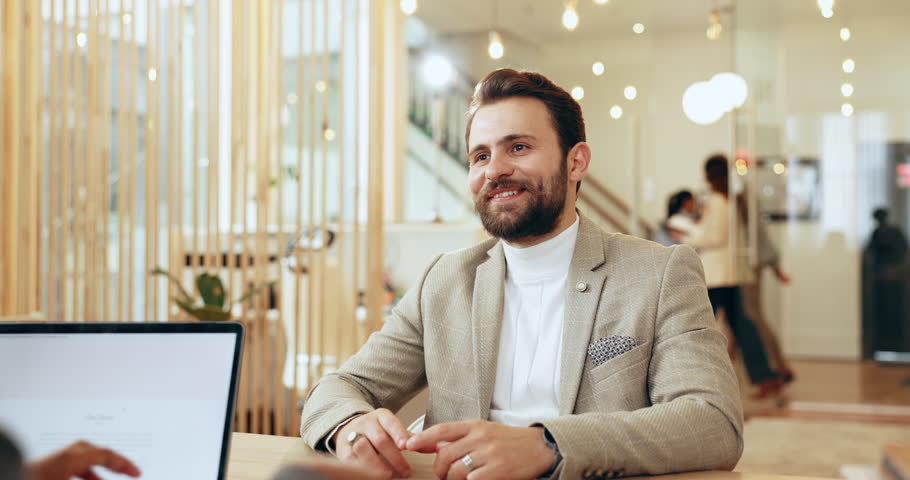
(81, 39)
(849, 65)
(845, 34)
(638, 28)
(846, 89)
(701, 104)
(437, 71)
(846, 109)
(630, 92)
(408, 6)
(153, 74)
(601, 2)
(825, 4)
(570, 17)
(827, 13)
(495, 49)
(779, 168)
(578, 93)
(731, 89)
(616, 112)
(598, 68)
(713, 31)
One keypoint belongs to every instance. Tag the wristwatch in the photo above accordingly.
(551, 442)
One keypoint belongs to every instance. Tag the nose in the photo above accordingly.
(498, 167)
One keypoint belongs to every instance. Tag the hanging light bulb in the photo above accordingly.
(570, 17)
(846, 110)
(630, 92)
(598, 68)
(578, 93)
(601, 2)
(828, 13)
(825, 4)
(845, 34)
(638, 28)
(849, 65)
(616, 112)
(846, 89)
(714, 25)
(495, 49)
(408, 6)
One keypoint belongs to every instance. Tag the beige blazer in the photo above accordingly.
(670, 404)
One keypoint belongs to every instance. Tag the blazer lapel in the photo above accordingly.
(486, 322)
(581, 308)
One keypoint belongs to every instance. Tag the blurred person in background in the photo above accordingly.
(680, 218)
(712, 239)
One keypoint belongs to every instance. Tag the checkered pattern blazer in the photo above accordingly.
(663, 398)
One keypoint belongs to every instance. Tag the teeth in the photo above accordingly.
(506, 194)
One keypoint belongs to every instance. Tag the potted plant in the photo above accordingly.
(213, 305)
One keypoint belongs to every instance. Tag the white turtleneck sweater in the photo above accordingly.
(530, 344)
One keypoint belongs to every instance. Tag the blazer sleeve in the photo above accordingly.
(695, 418)
(385, 373)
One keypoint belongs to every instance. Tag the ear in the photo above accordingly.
(579, 159)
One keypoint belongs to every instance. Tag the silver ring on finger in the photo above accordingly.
(353, 437)
(468, 462)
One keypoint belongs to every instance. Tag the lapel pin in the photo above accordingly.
(581, 287)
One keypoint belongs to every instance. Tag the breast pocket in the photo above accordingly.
(619, 363)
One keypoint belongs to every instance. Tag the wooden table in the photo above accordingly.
(258, 457)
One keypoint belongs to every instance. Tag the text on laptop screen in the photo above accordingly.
(159, 399)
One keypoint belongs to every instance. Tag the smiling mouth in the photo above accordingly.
(507, 194)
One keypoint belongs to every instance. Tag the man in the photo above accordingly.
(555, 349)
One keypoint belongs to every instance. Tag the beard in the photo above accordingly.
(534, 218)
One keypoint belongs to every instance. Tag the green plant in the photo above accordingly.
(213, 305)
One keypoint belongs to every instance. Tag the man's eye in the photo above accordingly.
(519, 147)
(482, 157)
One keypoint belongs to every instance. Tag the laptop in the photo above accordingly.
(162, 394)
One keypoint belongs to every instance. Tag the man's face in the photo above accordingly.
(518, 173)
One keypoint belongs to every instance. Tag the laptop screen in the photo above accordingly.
(160, 394)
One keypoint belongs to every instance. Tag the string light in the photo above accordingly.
(846, 109)
(630, 92)
(570, 17)
(495, 49)
(578, 93)
(845, 34)
(598, 68)
(409, 7)
(849, 65)
(616, 112)
(638, 28)
(846, 89)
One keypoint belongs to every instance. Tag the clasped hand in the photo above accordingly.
(496, 451)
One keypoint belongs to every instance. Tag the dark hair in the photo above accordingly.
(565, 112)
(674, 205)
(716, 171)
(10, 459)
(880, 214)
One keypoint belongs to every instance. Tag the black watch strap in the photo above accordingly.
(551, 442)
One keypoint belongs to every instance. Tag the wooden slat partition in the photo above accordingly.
(118, 158)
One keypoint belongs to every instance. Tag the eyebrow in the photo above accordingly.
(506, 139)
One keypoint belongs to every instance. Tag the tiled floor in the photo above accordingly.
(834, 414)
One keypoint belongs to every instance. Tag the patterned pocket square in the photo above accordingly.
(610, 347)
